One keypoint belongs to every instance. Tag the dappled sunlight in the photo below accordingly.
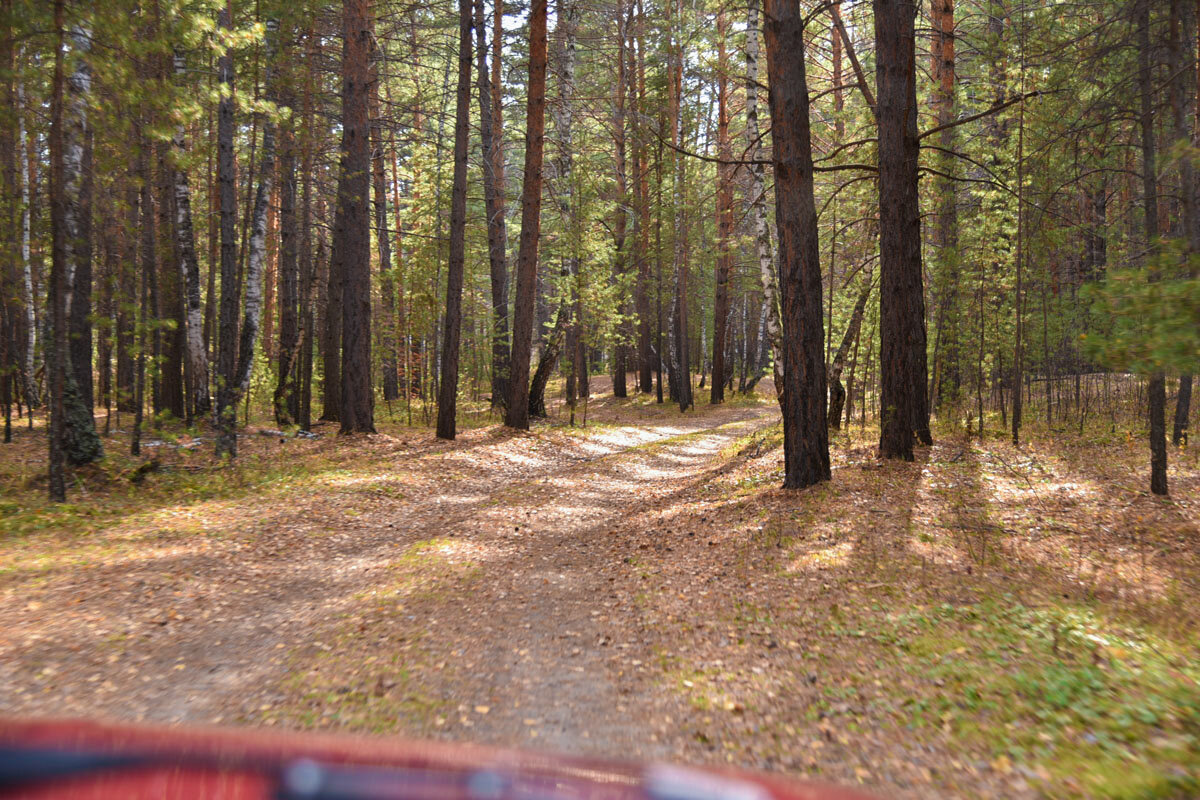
(823, 557)
(1096, 536)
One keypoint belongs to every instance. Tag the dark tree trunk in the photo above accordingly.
(724, 221)
(547, 361)
(289, 279)
(641, 159)
(1183, 94)
(127, 296)
(383, 240)
(1183, 403)
(1157, 389)
(352, 230)
(56, 345)
(448, 389)
(901, 298)
(10, 211)
(230, 290)
(837, 392)
(170, 283)
(331, 334)
(805, 437)
(493, 196)
(679, 368)
(625, 333)
(517, 415)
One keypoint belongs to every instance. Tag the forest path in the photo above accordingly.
(214, 613)
(537, 646)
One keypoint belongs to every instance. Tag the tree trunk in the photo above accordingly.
(448, 390)
(289, 279)
(547, 361)
(189, 268)
(1157, 388)
(80, 440)
(805, 437)
(56, 347)
(646, 352)
(1183, 403)
(352, 227)
(947, 370)
(11, 356)
(493, 195)
(517, 415)
(621, 210)
(239, 385)
(563, 113)
(901, 297)
(724, 220)
(80, 323)
(837, 392)
(681, 363)
(758, 201)
(230, 290)
(383, 241)
(1183, 93)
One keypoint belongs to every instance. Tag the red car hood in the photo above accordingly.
(88, 760)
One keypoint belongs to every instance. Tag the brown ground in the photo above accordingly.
(638, 589)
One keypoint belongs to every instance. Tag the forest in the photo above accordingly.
(837, 355)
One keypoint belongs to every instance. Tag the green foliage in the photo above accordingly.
(1152, 325)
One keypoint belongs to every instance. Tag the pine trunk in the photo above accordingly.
(493, 196)
(230, 290)
(352, 230)
(724, 221)
(517, 415)
(448, 389)
(901, 297)
(805, 437)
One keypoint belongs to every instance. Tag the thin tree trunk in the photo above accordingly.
(724, 220)
(302, 394)
(547, 361)
(621, 210)
(517, 415)
(947, 370)
(837, 392)
(493, 195)
(189, 268)
(563, 113)
(383, 241)
(646, 352)
(1184, 85)
(252, 313)
(80, 323)
(448, 390)
(1157, 387)
(31, 328)
(289, 279)
(758, 201)
(230, 290)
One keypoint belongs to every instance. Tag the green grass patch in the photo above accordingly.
(1096, 707)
